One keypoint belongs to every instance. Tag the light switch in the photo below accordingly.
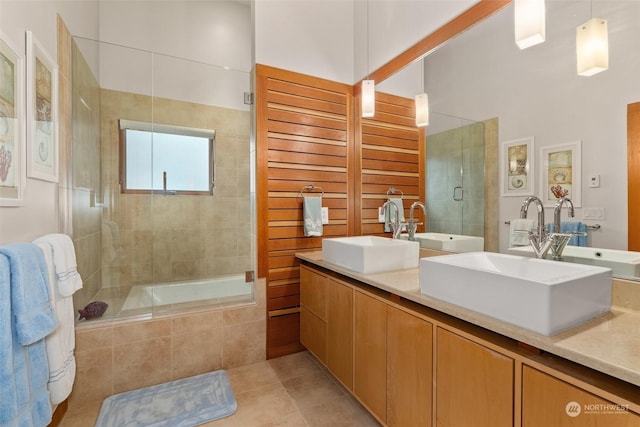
(381, 217)
(593, 213)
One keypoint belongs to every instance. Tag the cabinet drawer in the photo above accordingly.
(313, 292)
(313, 334)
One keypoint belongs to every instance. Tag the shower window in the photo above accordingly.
(166, 159)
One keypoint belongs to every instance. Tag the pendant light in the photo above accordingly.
(592, 47)
(529, 20)
(368, 86)
(422, 105)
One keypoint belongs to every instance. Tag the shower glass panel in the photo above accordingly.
(151, 251)
(455, 175)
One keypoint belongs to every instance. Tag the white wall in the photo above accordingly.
(394, 26)
(313, 37)
(39, 213)
(537, 92)
(202, 50)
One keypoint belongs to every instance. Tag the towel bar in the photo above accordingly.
(589, 227)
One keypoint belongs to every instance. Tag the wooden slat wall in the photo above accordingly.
(304, 137)
(391, 154)
(633, 171)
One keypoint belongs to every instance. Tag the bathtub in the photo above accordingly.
(226, 289)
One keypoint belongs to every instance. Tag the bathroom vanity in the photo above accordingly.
(415, 360)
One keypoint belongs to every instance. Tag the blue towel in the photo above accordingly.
(26, 317)
(312, 215)
(575, 227)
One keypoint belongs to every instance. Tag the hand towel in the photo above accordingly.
(579, 239)
(390, 214)
(26, 317)
(60, 344)
(64, 260)
(30, 299)
(312, 215)
(518, 231)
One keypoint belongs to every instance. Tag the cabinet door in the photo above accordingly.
(548, 401)
(475, 384)
(313, 291)
(409, 369)
(370, 354)
(340, 331)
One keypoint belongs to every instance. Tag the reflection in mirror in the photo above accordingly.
(146, 251)
(455, 175)
(537, 92)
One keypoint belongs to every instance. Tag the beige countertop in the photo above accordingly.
(609, 343)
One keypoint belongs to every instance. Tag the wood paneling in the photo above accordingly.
(390, 153)
(633, 181)
(304, 137)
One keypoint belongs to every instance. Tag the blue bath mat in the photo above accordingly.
(181, 403)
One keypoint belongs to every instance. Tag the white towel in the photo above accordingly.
(312, 214)
(64, 261)
(60, 344)
(518, 231)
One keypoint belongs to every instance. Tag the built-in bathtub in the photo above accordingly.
(219, 290)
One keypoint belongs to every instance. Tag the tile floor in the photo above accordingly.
(288, 391)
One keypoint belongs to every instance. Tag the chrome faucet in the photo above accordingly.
(396, 225)
(412, 226)
(540, 242)
(559, 239)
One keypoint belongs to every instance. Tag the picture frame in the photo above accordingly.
(42, 112)
(561, 173)
(12, 124)
(517, 167)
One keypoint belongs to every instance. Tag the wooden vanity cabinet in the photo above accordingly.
(313, 312)
(549, 401)
(370, 354)
(409, 369)
(340, 331)
(474, 383)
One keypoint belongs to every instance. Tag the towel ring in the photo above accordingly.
(393, 191)
(310, 189)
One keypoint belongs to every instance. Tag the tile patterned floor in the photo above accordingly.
(288, 391)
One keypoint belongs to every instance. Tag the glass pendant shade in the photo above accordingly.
(529, 21)
(368, 98)
(592, 47)
(422, 110)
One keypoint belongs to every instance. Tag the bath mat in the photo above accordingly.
(182, 403)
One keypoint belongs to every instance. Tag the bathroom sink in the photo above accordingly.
(371, 254)
(450, 242)
(622, 263)
(537, 294)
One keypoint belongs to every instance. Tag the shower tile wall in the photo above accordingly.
(156, 238)
(120, 356)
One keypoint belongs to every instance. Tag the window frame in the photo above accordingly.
(124, 125)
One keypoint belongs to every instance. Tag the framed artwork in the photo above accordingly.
(42, 111)
(561, 173)
(517, 167)
(12, 124)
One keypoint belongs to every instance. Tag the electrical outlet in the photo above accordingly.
(325, 215)
(594, 181)
(593, 213)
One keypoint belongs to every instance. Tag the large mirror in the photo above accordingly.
(537, 93)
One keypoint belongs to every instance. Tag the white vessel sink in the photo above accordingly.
(540, 295)
(622, 263)
(371, 254)
(450, 242)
